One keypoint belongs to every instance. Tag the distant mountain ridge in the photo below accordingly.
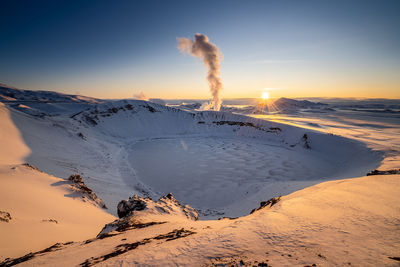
(9, 94)
(292, 103)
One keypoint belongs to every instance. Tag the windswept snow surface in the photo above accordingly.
(229, 176)
(351, 222)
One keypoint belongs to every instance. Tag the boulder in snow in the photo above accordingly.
(138, 212)
(5, 216)
(165, 205)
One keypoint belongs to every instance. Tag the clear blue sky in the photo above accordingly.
(115, 49)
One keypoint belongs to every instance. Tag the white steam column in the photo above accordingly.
(209, 52)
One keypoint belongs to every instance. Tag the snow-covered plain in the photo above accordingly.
(222, 164)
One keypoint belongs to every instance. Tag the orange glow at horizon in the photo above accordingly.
(110, 88)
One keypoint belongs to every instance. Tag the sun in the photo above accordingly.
(265, 95)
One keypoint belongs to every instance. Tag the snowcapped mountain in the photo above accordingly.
(281, 105)
(44, 103)
(10, 94)
(287, 103)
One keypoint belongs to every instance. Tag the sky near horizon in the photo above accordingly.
(115, 49)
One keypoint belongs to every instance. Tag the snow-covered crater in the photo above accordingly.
(222, 164)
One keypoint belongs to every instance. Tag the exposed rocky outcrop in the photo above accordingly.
(5, 216)
(82, 136)
(304, 142)
(126, 247)
(165, 205)
(29, 256)
(50, 221)
(388, 172)
(238, 261)
(94, 115)
(80, 186)
(268, 203)
(133, 203)
(138, 212)
(30, 166)
(122, 225)
(246, 124)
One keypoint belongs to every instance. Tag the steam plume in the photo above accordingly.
(209, 52)
(140, 96)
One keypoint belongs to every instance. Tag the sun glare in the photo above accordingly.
(265, 95)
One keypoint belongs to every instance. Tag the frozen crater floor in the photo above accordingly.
(228, 176)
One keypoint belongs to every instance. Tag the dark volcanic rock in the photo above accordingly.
(76, 178)
(122, 225)
(238, 123)
(166, 204)
(306, 144)
(82, 136)
(395, 258)
(5, 216)
(129, 107)
(80, 186)
(50, 220)
(378, 172)
(139, 212)
(90, 120)
(30, 166)
(264, 204)
(29, 256)
(175, 234)
(304, 141)
(126, 247)
(133, 203)
(246, 124)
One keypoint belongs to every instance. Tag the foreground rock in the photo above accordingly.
(165, 205)
(5, 216)
(138, 212)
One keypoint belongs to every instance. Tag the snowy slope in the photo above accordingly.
(11, 94)
(43, 209)
(337, 223)
(44, 103)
